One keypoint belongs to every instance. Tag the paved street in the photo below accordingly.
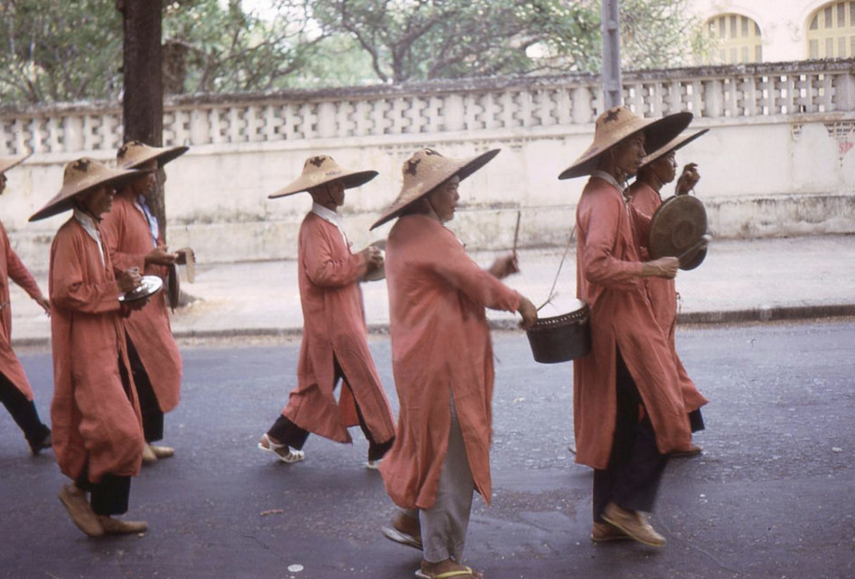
(772, 497)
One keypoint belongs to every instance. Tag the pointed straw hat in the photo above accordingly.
(7, 163)
(425, 171)
(134, 153)
(673, 145)
(82, 176)
(320, 170)
(618, 124)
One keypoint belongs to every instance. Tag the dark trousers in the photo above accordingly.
(636, 465)
(286, 432)
(23, 412)
(111, 494)
(152, 415)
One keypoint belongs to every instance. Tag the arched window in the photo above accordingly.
(831, 31)
(736, 39)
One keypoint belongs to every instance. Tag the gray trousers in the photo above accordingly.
(444, 526)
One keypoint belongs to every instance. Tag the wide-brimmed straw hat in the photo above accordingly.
(82, 176)
(320, 170)
(673, 145)
(7, 163)
(618, 124)
(425, 171)
(134, 153)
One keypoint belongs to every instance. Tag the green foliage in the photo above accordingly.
(59, 51)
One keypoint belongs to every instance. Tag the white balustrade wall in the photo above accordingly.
(776, 161)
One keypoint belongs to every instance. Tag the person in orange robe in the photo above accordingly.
(97, 431)
(15, 391)
(629, 412)
(133, 239)
(657, 169)
(442, 360)
(335, 339)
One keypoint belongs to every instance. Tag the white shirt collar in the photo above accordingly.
(332, 217)
(89, 226)
(610, 180)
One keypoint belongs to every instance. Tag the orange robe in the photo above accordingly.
(608, 268)
(440, 348)
(128, 240)
(91, 415)
(11, 267)
(663, 297)
(334, 328)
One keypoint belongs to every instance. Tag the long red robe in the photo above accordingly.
(128, 241)
(608, 278)
(11, 267)
(91, 415)
(663, 297)
(334, 328)
(440, 348)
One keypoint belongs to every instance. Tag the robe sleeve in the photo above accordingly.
(68, 289)
(19, 272)
(113, 230)
(449, 260)
(327, 260)
(601, 221)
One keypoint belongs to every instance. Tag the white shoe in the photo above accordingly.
(282, 451)
(373, 465)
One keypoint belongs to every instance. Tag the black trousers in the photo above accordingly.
(636, 466)
(110, 495)
(23, 412)
(152, 415)
(286, 432)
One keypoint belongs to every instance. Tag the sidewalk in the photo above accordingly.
(762, 280)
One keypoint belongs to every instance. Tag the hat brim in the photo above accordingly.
(464, 170)
(303, 183)
(657, 133)
(678, 143)
(64, 200)
(7, 163)
(162, 155)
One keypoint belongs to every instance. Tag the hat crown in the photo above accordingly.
(424, 163)
(322, 165)
(616, 119)
(130, 151)
(82, 171)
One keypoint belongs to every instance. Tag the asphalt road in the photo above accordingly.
(773, 495)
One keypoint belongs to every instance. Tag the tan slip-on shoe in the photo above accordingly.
(162, 451)
(690, 452)
(113, 526)
(633, 524)
(605, 532)
(80, 511)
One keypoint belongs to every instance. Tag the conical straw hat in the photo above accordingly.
(81, 176)
(320, 170)
(673, 145)
(618, 124)
(7, 163)
(134, 153)
(425, 171)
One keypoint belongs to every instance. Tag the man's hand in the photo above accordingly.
(182, 255)
(688, 179)
(374, 257)
(664, 267)
(528, 313)
(44, 303)
(129, 280)
(160, 256)
(504, 266)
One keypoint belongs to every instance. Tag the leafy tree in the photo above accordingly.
(54, 51)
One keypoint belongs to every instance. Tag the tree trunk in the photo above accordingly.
(142, 106)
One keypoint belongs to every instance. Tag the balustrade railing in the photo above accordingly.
(550, 103)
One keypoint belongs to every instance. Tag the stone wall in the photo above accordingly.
(776, 162)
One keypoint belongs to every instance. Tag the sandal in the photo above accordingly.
(282, 451)
(465, 572)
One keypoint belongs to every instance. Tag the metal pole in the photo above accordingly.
(612, 88)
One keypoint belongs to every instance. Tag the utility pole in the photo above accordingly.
(612, 86)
